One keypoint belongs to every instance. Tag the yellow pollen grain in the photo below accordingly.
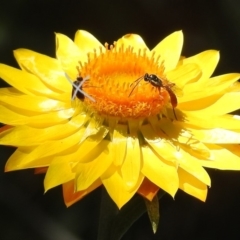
(113, 72)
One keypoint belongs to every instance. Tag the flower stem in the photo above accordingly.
(114, 223)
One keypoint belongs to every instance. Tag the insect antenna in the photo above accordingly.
(137, 82)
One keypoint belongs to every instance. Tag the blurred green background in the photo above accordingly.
(28, 214)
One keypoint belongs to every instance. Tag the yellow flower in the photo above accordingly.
(130, 136)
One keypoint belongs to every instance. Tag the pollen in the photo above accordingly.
(113, 72)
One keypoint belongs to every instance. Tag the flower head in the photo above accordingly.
(122, 116)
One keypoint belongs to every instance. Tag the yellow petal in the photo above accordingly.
(212, 86)
(116, 188)
(161, 173)
(184, 74)
(58, 173)
(207, 61)
(89, 140)
(172, 153)
(26, 136)
(43, 120)
(198, 104)
(161, 146)
(9, 117)
(221, 158)
(50, 148)
(68, 54)
(86, 42)
(191, 165)
(174, 132)
(71, 150)
(32, 103)
(216, 135)
(170, 50)
(48, 69)
(100, 158)
(70, 196)
(130, 168)
(18, 160)
(119, 144)
(226, 121)
(221, 106)
(132, 40)
(24, 82)
(192, 186)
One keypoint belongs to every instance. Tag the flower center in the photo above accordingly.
(117, 83)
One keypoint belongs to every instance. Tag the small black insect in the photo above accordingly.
(158, 83)
(77, 88)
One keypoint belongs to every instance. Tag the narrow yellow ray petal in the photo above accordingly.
(134, 41)
(184, 74)
(12, 92)
(226, 121)
(119, 143)
(48, 69)
(33, 103)
(216, 135)
(93, 131)
(89, 143)
(50, 148)
(163, 174)
(18, 161)
(130, 168)
(212, 86)
(222, 106)
(27, 83)
(116, 188)
(191, 165)
(100, 158)
(86, 42)
(10, 117)
(192, 185)
(21, 80)
(181, 135)
(221, 158)
(68, 54)
(58, 173)
(26, 136)
(175, 154)
(90, 138)
(198, 104)
(70, 196)
(178, 134)
(70, 147)
(170, 50)
(211, 57)
(163, 147)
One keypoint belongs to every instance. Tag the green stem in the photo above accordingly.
(114, 223)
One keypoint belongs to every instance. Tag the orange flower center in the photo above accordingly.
(113, 74)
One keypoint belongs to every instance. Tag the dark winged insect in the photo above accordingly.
(157, 82)
(77, 90)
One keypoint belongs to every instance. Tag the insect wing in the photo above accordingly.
(177, 90)
(173, 97)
